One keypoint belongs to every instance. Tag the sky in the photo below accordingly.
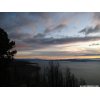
(53, 35)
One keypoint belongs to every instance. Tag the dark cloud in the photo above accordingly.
(89, 30)
(42, 42)
(39, 36)
(91, 54)
(39, 41)
(56, 28)
(94, 26)
(94, 44)
(68, 53)
(63, 40)
(56, 53)
(19, 36)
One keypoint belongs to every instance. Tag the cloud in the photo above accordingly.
(19, 36)
(22, 22)
(89, 30)
(94, 26)
(39, 36)
(91, 52)
(56, 28)
(94, 44)
(13, 20)
(68, 53)
(22, 46)
(40, 41)
(52, 53)
(18, 26)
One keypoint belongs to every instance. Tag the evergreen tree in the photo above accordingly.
(6, 46)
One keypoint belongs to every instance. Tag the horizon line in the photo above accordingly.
(57, 58)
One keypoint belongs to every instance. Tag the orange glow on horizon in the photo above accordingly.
(56, 57)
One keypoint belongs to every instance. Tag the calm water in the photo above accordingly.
(90, 71)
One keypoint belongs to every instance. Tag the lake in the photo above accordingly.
(90, 71)
(86, 69)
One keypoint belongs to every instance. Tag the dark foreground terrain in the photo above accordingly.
(23, 73)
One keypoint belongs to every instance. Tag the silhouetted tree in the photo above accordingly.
(82, 81)
(6, 56)
(6, 46)
(53, 77)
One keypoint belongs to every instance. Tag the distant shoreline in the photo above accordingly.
(73, 60)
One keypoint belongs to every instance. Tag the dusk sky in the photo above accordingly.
(53, 35)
